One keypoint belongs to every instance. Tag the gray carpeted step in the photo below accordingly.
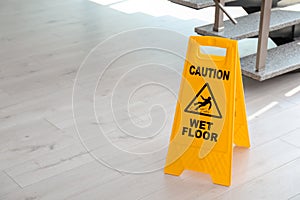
(280, 60)
(248, 25)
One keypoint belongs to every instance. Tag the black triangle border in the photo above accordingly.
(214, 100)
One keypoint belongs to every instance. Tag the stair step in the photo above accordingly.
(248, 25)
(280, 60)
(196, 4)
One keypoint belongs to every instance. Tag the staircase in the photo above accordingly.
(248, 26)
(276, 61)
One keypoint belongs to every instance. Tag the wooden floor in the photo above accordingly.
(42, 156)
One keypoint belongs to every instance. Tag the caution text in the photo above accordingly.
(209, 72)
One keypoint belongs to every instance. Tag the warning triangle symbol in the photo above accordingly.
(204, 103)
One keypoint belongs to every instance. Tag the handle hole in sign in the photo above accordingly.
(216, 51)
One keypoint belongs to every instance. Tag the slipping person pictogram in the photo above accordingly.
(205, 102)
(200, 105)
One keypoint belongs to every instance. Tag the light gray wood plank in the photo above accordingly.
(255, 89)
(281, 183)
(287, 121)
(7, 185)
(68, 183)
(21, 143)
(292, 137)
(30, 108)
(296, 197)
(4, 98)
(49, 165)
(139, 183)
(280, 103)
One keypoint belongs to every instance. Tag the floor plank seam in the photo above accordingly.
(12, 179)
(57, 49)
(59, 174)
(162, 188)
(290, 198)
(271, 140)
(289, 143)
(52, 124)
(95, 186)
(259, 176)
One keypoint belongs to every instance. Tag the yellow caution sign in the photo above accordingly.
(210, 113)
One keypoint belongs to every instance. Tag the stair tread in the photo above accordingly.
(280, 60)
(196, 4)
(248, 26)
